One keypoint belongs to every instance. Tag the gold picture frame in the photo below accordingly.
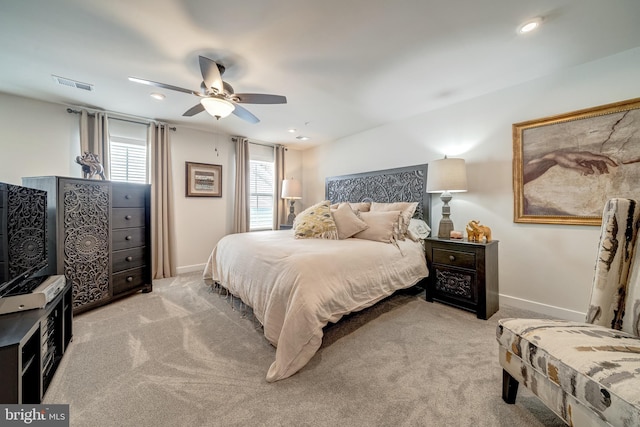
(203, 180)
(566, 167)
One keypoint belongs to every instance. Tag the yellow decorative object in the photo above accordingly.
(477, 232)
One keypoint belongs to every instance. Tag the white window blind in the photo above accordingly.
(261, 195)
(128, 162)
(128, 146)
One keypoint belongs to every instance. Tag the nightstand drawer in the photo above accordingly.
(454, 258)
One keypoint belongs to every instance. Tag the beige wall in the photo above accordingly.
(547, 268)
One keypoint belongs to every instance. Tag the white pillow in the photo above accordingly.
(418, 230)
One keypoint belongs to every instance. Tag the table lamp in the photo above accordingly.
(292, 191)
(446, 176)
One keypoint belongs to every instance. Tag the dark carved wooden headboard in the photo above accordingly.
(407, 184)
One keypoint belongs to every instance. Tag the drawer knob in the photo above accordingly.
(127, 217)
(128, 238)
(129, 258)
(452, 258)
(129, 278)
(126, 196)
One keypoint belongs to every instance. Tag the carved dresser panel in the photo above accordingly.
(85, 228)
(84, 240)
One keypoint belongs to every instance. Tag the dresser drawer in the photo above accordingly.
(454, 258)
(127, 217)
(128, 195)
(127, 280)
(128, 258)
(127, 238)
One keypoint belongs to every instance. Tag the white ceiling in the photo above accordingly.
(345, 66)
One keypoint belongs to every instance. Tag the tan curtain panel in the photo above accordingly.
(162, 229)
(94, 138)
(279, 204)
(241, 204)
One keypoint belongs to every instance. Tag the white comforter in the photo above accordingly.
(297, 286)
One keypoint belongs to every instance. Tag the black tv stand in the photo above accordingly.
(32, 344)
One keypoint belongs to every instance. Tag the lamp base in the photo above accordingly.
(446, 225)
(445, 228)
(292, 215)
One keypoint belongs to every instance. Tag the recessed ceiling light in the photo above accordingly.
(302, 137)
(291, 130)
(158, 96)
(529, 26)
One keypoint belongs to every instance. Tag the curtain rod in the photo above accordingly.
(124, 118)
(234, 139)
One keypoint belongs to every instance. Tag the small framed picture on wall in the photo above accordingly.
(203, 180)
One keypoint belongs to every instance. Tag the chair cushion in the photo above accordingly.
(599, 366)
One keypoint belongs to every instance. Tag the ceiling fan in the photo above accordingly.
(217, 96)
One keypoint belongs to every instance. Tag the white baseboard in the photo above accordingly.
(190, 268)
(548, 310)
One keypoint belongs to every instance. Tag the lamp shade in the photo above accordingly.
(291, 189)
(217, 107)
(447, 175)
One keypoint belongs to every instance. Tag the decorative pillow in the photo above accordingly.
(381, 226)
(418, 230)
(356, 207)
(361, 206)
(347, 221)
(407, 209)
(315, 222)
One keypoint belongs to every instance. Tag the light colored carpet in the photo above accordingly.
(183, 356)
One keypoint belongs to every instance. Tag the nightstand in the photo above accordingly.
(463, 274)
(286, 226)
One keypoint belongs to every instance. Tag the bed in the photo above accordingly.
(296, 286)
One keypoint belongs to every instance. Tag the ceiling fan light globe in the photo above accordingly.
(217, 107)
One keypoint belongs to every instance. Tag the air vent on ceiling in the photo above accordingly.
(72, 83)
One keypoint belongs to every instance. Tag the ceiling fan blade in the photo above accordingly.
(244, 114)
(163, 85)
(228, 88)
(259, 98)
(211, 74)
(198, 108)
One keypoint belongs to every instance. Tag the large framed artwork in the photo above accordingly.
(566, 167)
(203, 180)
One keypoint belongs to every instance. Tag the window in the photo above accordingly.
(261, 195)
(128, 147)
(128, 160)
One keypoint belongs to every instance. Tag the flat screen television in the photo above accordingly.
(23, 238)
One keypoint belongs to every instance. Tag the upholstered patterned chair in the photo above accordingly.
(587, 373)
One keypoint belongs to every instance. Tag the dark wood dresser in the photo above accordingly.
(463, 274)
(99, 237)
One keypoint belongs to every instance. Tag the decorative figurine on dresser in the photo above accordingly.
(100, 237)
(464, 274)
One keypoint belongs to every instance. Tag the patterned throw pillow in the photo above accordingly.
(315, 222)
